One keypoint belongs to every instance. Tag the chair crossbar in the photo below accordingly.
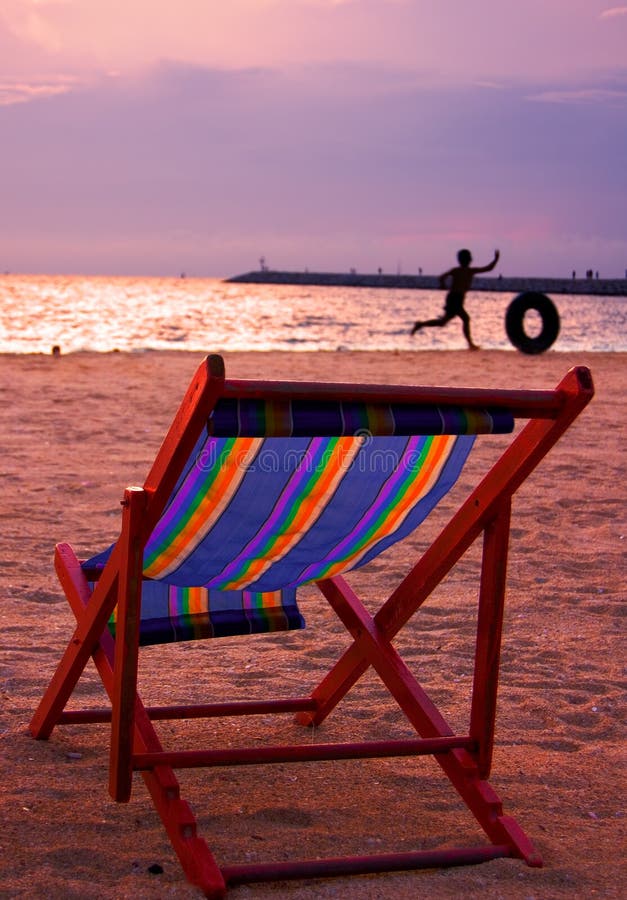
(523, 404)
(250, 756)
(198, 711)
(364, 865)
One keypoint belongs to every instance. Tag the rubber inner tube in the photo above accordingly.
(515, 322)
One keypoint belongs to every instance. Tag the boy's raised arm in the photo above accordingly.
(491, 265)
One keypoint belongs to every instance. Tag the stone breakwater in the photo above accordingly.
(614, 287)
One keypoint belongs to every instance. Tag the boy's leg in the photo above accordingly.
(463, 315)
(432, 323)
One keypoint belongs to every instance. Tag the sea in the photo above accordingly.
(106, 314)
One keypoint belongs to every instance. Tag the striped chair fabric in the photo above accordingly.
(280, 494)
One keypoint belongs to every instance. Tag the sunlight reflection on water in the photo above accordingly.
(104, 314)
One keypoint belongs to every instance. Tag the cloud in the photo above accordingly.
(607, 96)
(466, 41)
(614, 11)
(28, 20)
(23, 91)
(203, 169)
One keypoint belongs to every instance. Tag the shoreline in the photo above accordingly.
(608, 287)
(338, 353)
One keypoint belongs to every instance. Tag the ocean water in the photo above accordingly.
(119, 313)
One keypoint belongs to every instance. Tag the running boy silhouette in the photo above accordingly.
(461, 281)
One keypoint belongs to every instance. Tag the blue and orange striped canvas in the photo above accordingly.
(254, 517)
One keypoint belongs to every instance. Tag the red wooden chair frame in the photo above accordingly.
(465, 758)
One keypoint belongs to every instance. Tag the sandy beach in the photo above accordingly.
(76, 430)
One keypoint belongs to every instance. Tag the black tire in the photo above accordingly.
(514, 322)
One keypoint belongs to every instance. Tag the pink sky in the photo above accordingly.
(151, 137)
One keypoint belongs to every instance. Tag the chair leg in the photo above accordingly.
(126, 646)
(178, 820)
(489, 630)
(176, 815)
(92, 616)
(459, 765)
(505, 477)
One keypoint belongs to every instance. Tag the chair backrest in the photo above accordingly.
(279, 493)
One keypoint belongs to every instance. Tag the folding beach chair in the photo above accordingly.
(260, 487)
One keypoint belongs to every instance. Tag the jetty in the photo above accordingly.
(609, 287)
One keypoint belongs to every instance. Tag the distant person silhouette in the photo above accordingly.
(461, 281)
